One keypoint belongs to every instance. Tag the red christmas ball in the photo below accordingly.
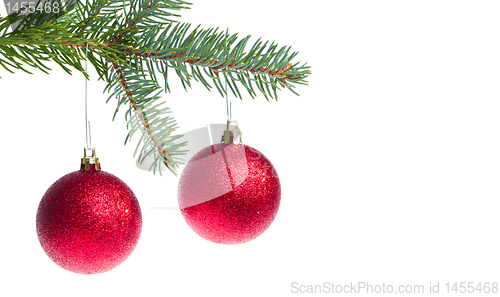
(88, 221)
(229, 193)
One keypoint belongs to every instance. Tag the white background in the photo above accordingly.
(389, 161)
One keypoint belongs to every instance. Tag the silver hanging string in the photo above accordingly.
(231, 135)
(227, 104)
(229, 108)
(88, 139)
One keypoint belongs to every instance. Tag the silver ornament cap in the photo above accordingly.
(232, 135)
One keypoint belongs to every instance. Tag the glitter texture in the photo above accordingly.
(229, 193)
(89, 222)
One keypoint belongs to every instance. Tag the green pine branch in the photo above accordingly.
(133, 44)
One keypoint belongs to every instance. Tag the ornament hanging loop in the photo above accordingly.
(88, 160)
(232, 135)
(88, 139)
(227, 104)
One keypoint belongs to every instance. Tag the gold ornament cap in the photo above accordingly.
(232, 135)
(87, 161)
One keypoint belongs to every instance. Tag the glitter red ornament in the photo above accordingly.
(89, 221)
(229, 192)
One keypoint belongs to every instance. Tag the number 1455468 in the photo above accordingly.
(31, 7)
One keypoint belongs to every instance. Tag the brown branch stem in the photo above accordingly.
(141, 115)
(193, 60)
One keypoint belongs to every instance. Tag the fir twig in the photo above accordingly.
(132, 43)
